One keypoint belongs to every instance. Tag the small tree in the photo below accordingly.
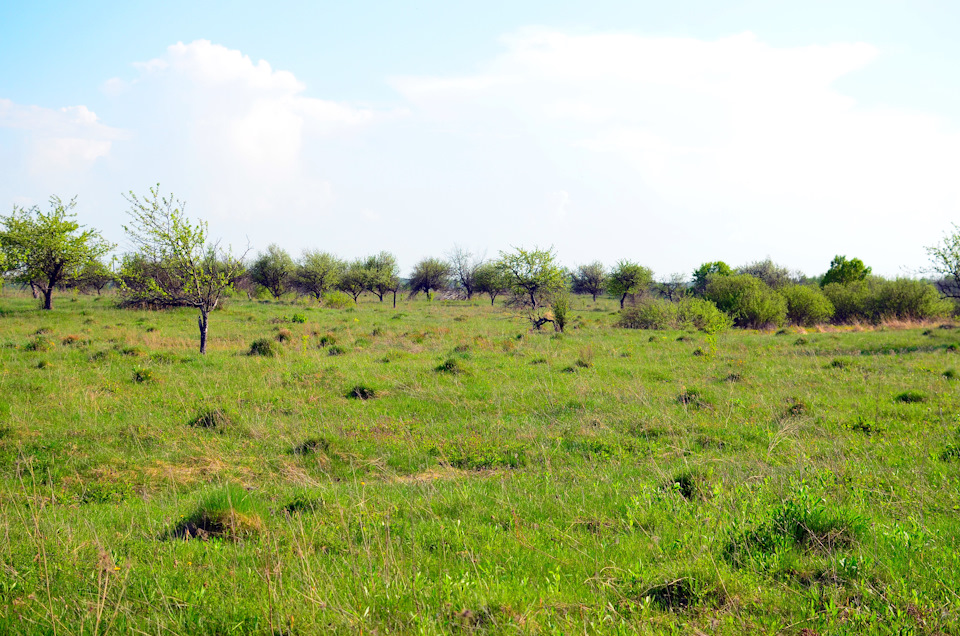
(382, 274)
(46, 249)
(628, 279)
(273, 269)
(353, 280)
(775, 276)
(95, 275)
(490, 280)
(945, 261)
(845, 271)
(534, 279)
(179, 267)
(463, 269)
(672, 288)
(317, 272)
(429, 275)
(589, 279)
(702, 275)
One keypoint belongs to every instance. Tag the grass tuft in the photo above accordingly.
(361, 392)
(263, 347)
(910, 397)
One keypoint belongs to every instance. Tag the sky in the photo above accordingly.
(669, 134)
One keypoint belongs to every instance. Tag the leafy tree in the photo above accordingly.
(382, 274)
(672, 288)
(845, 271)
(589, 279)
(463, 270)
(353, 280)
(95, 275)
(428, 276)
(317, 272)
(45, 249)
(177, 264)
(701, 275)
(273, 269)
(533, 276)
(628, 279)
(945, 261)
(775, 276)
(490, 280)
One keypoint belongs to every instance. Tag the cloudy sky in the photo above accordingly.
(665, 133)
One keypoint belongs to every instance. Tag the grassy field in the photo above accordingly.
(439, 468)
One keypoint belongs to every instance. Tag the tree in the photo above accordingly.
(490, 280)
(702, 275)
(628, 279)
(353, 280)
(589, 279)
(382, 274)
(95, 275)
(845, 271)
(429, 275)
(463, 269)
(317, 272)
(534, 279)
(273, 269)
(776, 276)
(945, 261)
(179, 267)
(45, 249)
(673, 288)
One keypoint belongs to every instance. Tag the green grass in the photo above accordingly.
(450, 471)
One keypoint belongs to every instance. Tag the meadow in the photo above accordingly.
(442, 468)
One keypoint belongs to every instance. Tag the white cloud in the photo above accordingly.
(62, 140)
(731, 127)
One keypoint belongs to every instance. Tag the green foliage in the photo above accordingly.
(227, 512)
(273, 269)
(362, 392)
(652, 313)
(298, 318)
(807, 306)
(775, 276)
(702, 275)
(589, 279)
(317, 273)
(336, 300)
(491, 280)
(428, 276)
(702, 315)
(747, 300)
(532, 276)
(46, 249)
(844, 272)
(875, 299)
(263, 347)
(382, 274)
(560, 307)
(353, 281)
(910, 397)
(628, 279)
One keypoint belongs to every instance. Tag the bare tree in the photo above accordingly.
(463, 269)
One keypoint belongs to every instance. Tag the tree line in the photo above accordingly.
(175, 263)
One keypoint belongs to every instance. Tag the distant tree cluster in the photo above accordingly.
(175, 264)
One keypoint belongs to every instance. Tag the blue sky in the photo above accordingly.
(666, 133)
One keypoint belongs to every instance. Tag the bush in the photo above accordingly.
(263, 347)
(560, 308)
(337, 300)
(298, 318)
(906, 299)
(648, 314)
(851, 302)
(806, 306)
(702, 315)
(747, 300)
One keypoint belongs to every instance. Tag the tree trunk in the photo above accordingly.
(47, 298)
(492, 298)
(622, 298)
(394, 300)
(594, 298)
(202, 323)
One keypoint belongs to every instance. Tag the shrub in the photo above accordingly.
(907, 299)
(747, 300)
(560, 308)
(263, 347)
(851, 302)
(702, 315)
(298, 318)
(648, 314)
(337, 300)
(806, 306)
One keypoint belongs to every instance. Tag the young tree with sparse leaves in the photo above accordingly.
(463, 269)
(589, 279)
(428, 276)
(190, 270)
(317, 273)
(273, 270)
(46, 249)
(628, 279)
(382, 274)
(490, 280)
